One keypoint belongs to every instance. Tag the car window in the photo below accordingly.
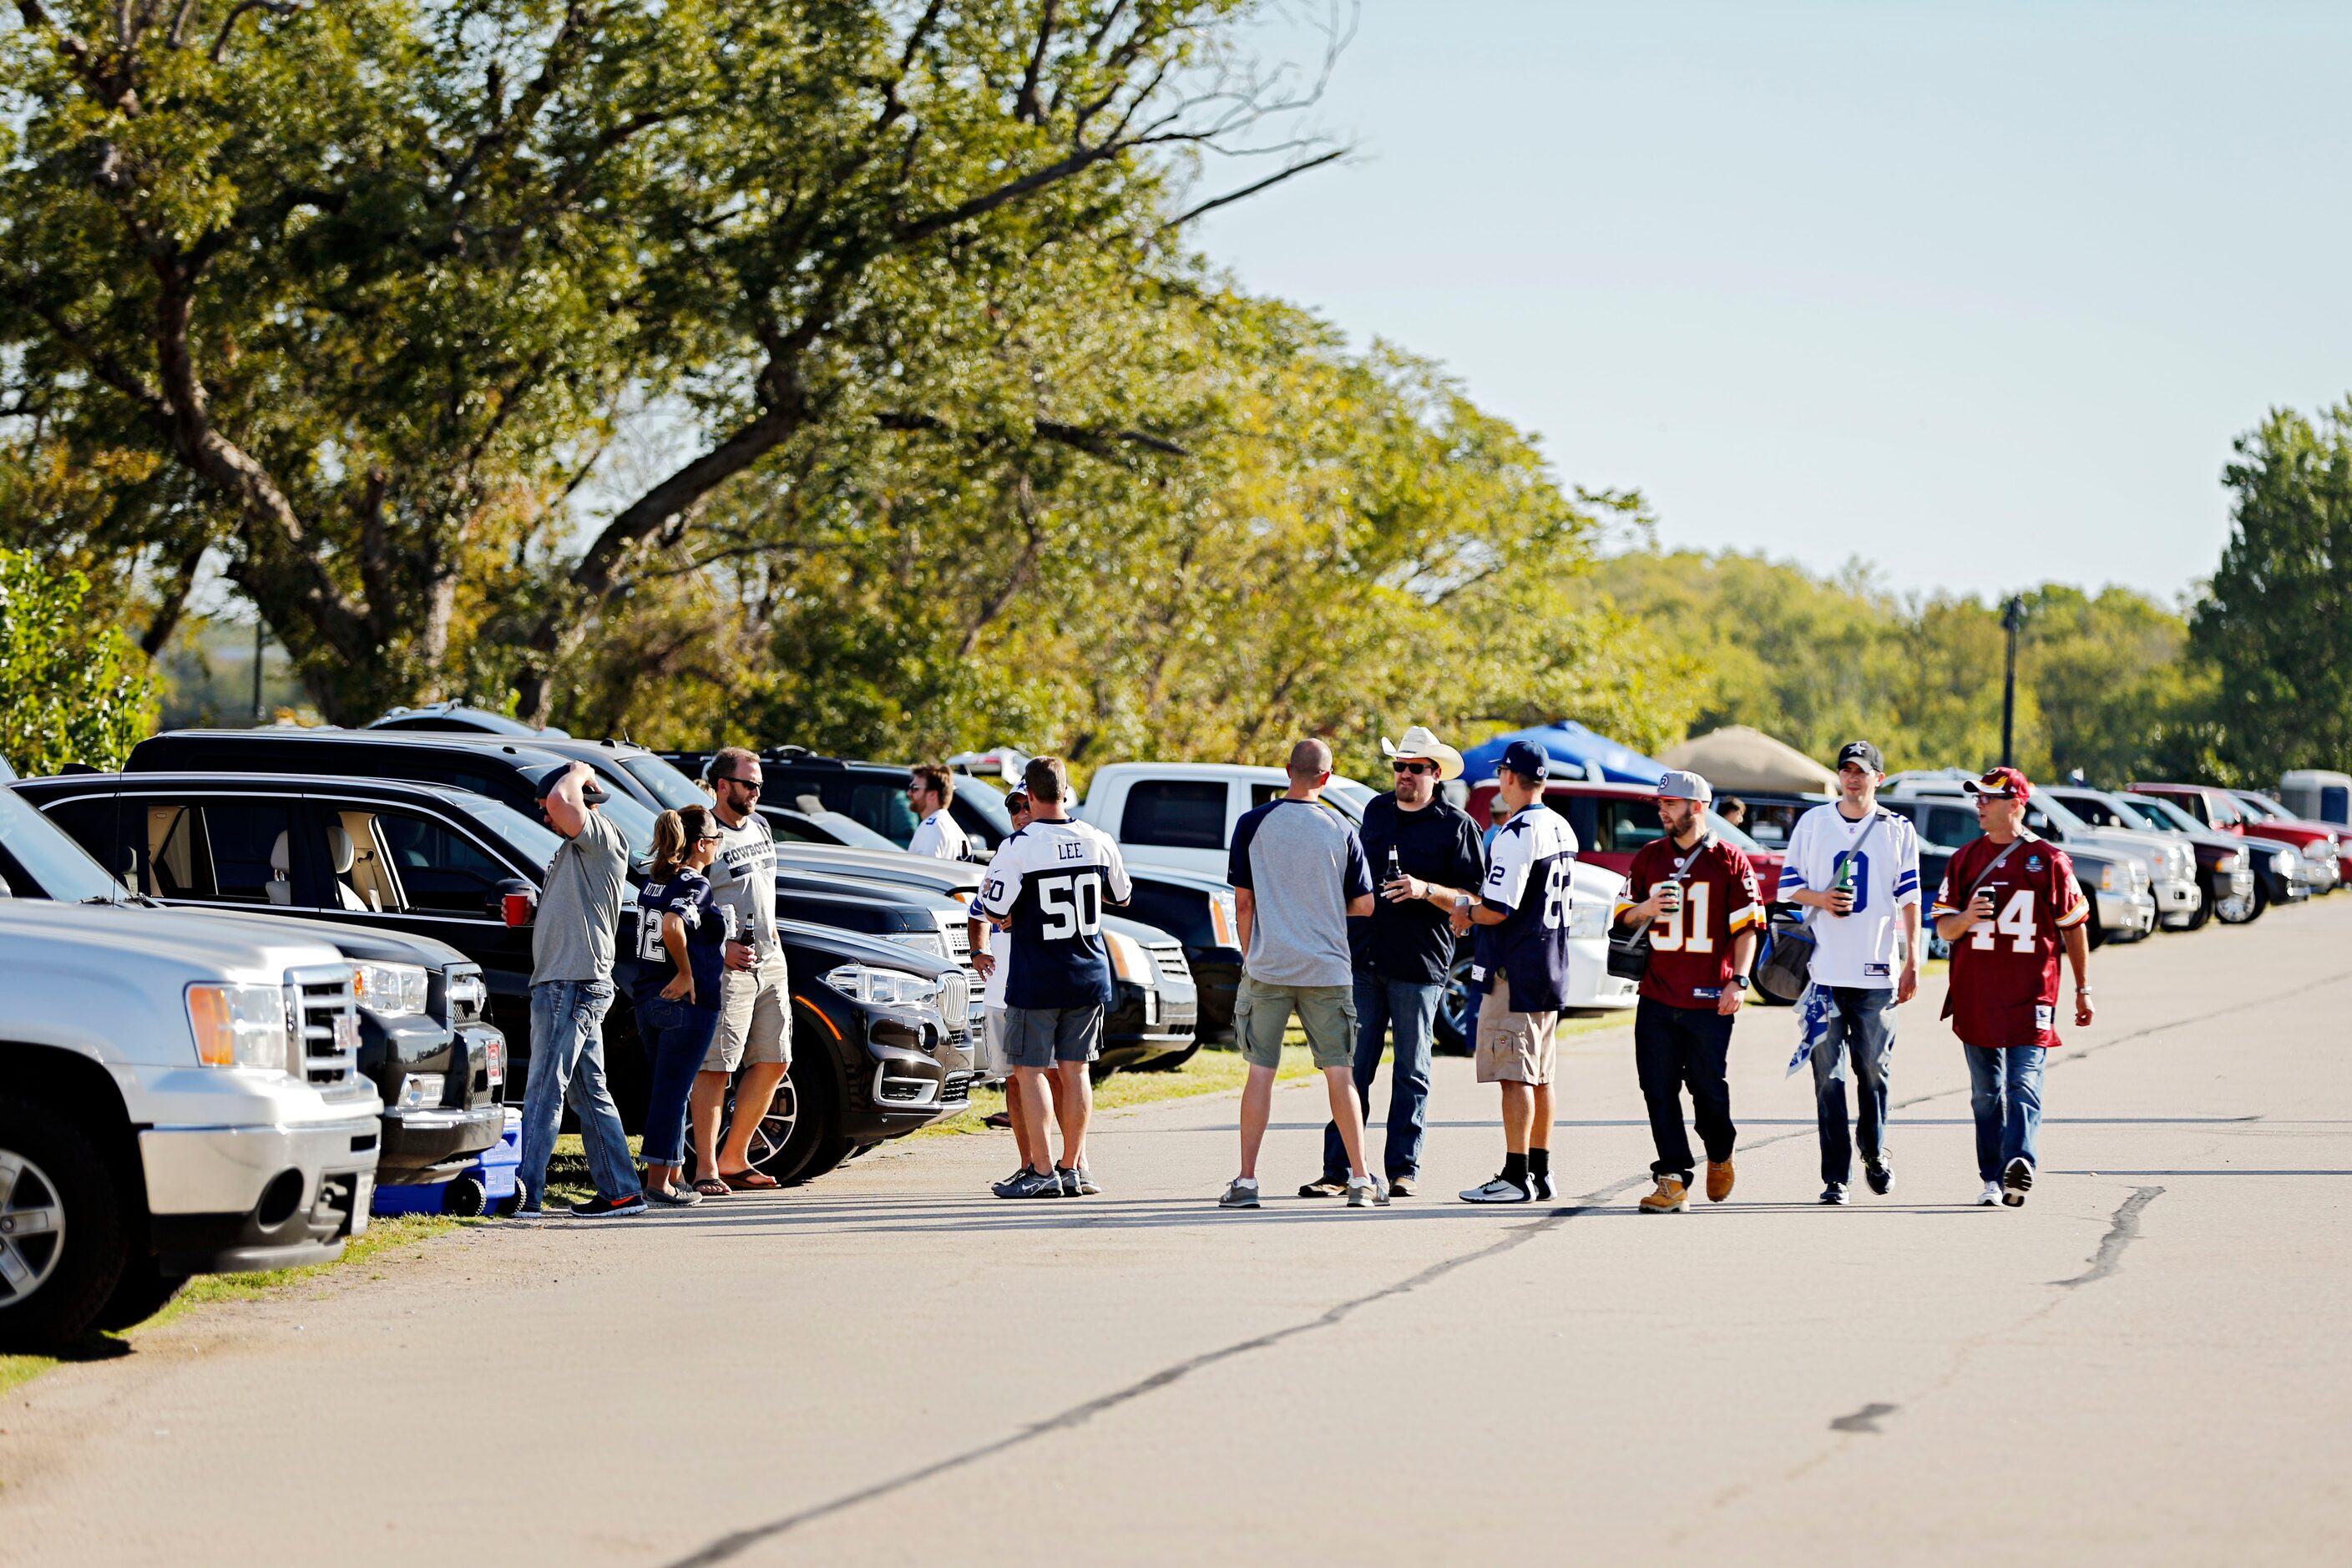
(250, 842)
(980, 811)
(2095, 812)
(1632, 824)
(434, 868)
(878, 805)
(48, 862)
(1950, 826)
(217, 851)
(2257, 808)
(663, 781)
(1175, 814)
(534, 841)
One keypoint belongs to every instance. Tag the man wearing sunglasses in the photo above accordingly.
(1424, 854)
(755, 1005)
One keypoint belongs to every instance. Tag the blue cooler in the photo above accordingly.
(491, 1184)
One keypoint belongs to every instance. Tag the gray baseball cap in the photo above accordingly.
(1680, 784)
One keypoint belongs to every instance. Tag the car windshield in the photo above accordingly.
(534, 841)
(1351, 797)
(636, 822)
(665, 782)
(1734, 836)
(982, 799)
(2260, 808)
(2162, 813)
(852, 833)
(2059, 813)
(61, 867)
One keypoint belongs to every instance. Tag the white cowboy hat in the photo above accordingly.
(1419, 745)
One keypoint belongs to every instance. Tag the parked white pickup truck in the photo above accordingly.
(178, 1095)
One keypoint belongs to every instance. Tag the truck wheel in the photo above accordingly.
(142, 1291)
(2204, 913)
(62, 1237)
(2096, 932)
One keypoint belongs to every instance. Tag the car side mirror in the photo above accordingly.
(513, 901)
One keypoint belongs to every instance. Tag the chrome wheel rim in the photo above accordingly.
(776, 1127)
(32, 1228)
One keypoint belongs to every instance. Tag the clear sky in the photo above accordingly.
(1978, 292)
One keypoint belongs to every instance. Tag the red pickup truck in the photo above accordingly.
(1614, 820)
(2231, 811)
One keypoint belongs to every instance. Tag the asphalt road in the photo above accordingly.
(2145, 1365)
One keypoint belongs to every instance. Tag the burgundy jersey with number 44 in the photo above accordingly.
(2004, 979)
(1690, 950)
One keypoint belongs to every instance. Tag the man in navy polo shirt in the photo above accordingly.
(1522, 913)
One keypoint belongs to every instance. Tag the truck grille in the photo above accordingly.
(959, 939)
(324, 1006)
(1170, 957)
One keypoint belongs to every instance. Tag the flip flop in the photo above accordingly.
(712, 1187)
(748, 1179)
(996, 1119)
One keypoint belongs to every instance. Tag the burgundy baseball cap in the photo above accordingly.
(2001, 784)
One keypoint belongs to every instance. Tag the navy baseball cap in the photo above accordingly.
(591, 794)
(1525, 760)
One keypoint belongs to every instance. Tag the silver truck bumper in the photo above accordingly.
(223, 1170)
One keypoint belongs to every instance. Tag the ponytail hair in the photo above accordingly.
(675, 833)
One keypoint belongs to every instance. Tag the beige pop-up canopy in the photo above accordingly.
(1737, 758)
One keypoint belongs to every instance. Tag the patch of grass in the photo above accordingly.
(1216, 1069)
(568, 1180)
(383, 1236)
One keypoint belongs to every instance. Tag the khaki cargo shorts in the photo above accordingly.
(1327, 1014)
(755, 1018)
(1513, 1048)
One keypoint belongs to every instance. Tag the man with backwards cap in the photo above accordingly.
(1697, 895)
(1857, 865)
(2009, 901)
(1424, 855)
(572, 942)
(1522, 913)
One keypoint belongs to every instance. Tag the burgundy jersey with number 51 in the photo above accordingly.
(2004, 979)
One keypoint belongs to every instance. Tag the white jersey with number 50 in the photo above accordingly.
(1053, 880)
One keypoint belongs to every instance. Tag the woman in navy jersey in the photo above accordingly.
(681, 934)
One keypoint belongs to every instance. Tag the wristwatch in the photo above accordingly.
(1741, 981)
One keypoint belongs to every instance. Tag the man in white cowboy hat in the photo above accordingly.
(1426, 856)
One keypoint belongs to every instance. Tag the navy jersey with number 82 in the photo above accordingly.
(1528, 880)
(1053, 878)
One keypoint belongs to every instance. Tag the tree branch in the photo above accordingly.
(1026, 105)
(1180, 219)
(236, 14)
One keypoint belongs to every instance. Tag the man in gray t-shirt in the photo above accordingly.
(1298, 871)
(572, 942)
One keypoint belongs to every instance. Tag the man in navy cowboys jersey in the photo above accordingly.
(1521, 965)
(1048, 885)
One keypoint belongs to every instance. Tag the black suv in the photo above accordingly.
(426, 1038)
(508, 771)
(873, 794)
(881, 1044)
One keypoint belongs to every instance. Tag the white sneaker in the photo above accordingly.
(1241, 1194)
(1990, 1197)
(1498, 1191)
(1367, 1192)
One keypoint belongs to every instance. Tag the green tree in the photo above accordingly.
(68, 693)
(2275, 624)
(388, 278)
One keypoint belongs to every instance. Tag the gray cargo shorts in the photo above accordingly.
(1040, 1037)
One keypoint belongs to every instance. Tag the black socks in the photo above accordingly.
(1539, 1161)
(1515, 1168)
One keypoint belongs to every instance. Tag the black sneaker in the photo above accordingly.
(1031, 1185)
(2016, 1182)
(1325, 1187)
(1835, 1193)
(602, 1207)
(1881, 1176)
(1539, 1184)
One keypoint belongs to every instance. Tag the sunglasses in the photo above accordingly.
(710, 838)
(751, 784)
(1414, 767)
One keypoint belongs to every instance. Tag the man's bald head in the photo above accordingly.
(1309, 761)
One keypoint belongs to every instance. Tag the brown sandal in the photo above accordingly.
(748, 1179)
(712, 1187)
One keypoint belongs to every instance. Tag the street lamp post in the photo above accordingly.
(2013, 617)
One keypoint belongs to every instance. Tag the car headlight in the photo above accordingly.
(2233, 863)
(1224, 920)
(390, 990)
(468, 997)
(924, 941)
(2283, 862)
(240, 1026)
(2108, 880)
(1128, 960)
(882, 987)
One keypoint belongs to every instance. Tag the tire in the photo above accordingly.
(63, 1273)
(2204, 913)
(140, 1292)
(1449, 1030)
(2097, 930)
(801, 1132)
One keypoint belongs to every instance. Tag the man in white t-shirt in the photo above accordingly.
(1856, 866)
(937, 832)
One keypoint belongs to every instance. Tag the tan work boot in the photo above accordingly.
(1719, 1181)
(1670, 1198)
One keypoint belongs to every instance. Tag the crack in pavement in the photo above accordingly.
(2122, 1231)
(728, 1547)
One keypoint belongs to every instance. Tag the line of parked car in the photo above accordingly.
(258, 972)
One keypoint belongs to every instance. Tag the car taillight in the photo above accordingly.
(515, 909)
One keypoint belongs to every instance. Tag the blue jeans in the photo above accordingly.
(567, 1057)
(677, 1036)
(1862, 1029)
(1410, 1008)
(2005, 1091)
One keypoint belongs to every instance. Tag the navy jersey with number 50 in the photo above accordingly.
(1053, 879)
(1528, 881)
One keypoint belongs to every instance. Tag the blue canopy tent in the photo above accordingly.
(1575, 752)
